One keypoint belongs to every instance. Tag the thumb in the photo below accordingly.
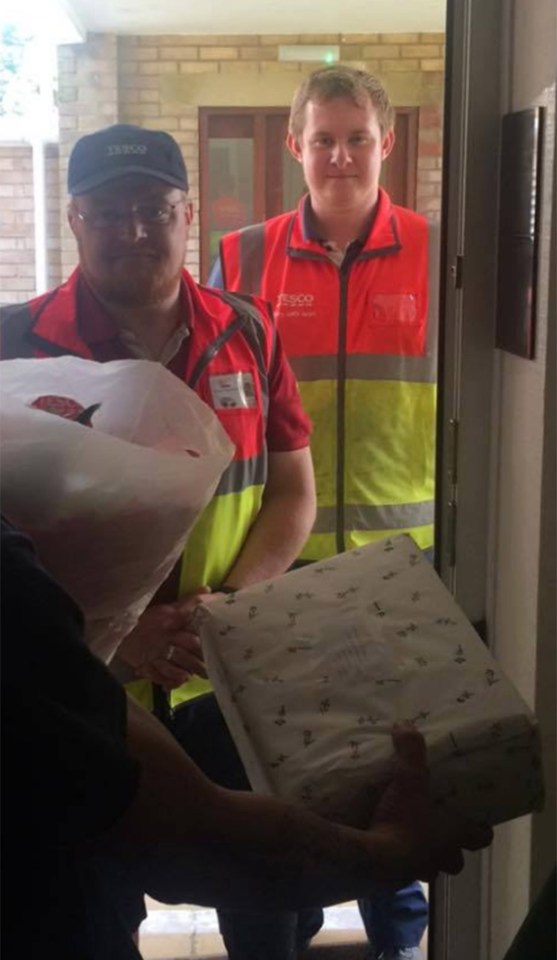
(410, 752)
(188, 603)
(204, 589)
(171, 617)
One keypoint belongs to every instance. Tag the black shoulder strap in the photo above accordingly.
(16, 331)
(249, 323)
(15, 323)
(241, 304)
(254, 332)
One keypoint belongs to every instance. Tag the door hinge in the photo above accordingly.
(452, 459)
(452, 476)
(451, 533)
(457, 270)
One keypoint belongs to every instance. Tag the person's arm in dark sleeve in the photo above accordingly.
(203, 843)
(67, 772)
(188, 839)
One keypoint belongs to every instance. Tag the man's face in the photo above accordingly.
(341, 149)
(131, 236)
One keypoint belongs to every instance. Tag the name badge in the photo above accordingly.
(233, 391)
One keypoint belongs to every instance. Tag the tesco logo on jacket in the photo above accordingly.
(295, 300)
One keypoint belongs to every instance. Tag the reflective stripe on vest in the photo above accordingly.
(366, 366)
(362, 516)
(243, 473)
(244, 263)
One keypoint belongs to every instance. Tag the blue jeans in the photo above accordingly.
(276, 935)
(393, 918)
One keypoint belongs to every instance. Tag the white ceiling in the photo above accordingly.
(258, 16)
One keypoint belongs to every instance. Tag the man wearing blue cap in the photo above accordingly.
(130, 297)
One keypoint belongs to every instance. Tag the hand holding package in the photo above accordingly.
(312, 670)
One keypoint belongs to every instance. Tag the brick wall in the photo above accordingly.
(88, 99)
(161, 81)
(17, 258)
(17, 221)
(54, 205)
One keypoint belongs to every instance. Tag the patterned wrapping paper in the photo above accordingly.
(312, 669)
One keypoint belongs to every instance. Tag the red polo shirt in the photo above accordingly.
(288, 426)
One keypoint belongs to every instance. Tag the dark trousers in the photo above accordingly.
(392, 918)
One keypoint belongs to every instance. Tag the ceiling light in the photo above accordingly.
(309, 53)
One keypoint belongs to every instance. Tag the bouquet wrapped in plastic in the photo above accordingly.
(110, 487)
(312, 669)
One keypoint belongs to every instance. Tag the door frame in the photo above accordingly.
(459, 927)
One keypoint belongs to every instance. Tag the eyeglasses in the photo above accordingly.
(150, 213)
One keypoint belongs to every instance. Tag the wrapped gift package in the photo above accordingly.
(312, 669)
(110, 505)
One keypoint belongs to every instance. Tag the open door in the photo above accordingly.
(459, 927)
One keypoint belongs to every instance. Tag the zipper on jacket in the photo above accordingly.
(341, 404)
(351, 257)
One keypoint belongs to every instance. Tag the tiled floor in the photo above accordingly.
(184, 932)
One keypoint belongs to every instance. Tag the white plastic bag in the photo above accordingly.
(109, 508)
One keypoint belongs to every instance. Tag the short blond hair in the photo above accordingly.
(330, 83)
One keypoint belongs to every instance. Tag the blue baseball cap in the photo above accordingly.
(124, 149)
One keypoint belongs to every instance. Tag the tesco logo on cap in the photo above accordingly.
(119, 149)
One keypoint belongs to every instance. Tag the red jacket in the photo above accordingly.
(228, 335)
